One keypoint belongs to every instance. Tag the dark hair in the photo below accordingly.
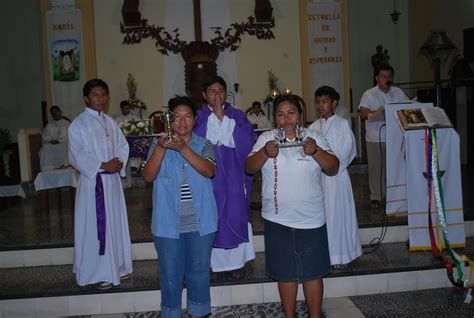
(124, 103)
(212, 80)
(53, 108)
(182, 100)
(292, 99)
(327, 91)
(384, 67)
(90, 84)
(256, 103)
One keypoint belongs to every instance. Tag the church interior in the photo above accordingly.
(145, 51)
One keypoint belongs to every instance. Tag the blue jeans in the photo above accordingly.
(186, 259)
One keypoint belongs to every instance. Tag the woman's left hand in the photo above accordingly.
(310, 146)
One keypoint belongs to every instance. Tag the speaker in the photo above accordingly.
(469, 44)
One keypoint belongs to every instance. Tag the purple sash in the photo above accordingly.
(100, 210)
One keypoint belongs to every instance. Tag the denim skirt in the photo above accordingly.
(296, 255)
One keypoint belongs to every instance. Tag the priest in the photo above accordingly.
(99, 150)
(232, 136)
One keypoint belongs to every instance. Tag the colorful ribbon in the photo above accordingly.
(435, 188)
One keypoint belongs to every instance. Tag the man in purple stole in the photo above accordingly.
(232, 136)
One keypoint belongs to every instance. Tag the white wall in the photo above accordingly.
(370, 24)
(254, 57)
(21, 80)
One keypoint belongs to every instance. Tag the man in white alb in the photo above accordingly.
(372, 100)
(99, 150)
(53, 152)
(126, 115)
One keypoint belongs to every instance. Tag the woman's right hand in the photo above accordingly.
(271, 149)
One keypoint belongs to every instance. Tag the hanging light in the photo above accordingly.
(395, 14)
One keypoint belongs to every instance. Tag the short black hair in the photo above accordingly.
(327, 91)
(90, 84)
(293, 99)
(256, 103)
(53, 108)
(124, 103)
(384, 67)
(212, 80)
(182, 100)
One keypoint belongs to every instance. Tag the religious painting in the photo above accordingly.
(65, 56)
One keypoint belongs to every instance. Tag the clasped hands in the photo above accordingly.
(113, 165)
(310, 147)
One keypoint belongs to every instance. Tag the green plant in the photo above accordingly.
(5, 138)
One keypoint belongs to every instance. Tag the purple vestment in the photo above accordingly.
(232, 186)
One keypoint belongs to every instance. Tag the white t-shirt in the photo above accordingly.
(373, 99)
(291, 185)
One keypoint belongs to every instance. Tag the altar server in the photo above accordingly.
(99, 150)
(341, 219)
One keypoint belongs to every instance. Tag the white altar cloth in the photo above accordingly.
(56, 179)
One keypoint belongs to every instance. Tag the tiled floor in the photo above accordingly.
(332, 308)
(26, 224)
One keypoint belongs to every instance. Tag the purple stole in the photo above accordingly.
(233, 201)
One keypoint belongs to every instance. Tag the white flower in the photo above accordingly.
(140, 124)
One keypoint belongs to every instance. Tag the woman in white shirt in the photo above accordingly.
(296, 244)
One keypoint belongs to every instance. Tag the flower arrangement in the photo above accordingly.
(135, 127)
(273, 85)
(132, 92)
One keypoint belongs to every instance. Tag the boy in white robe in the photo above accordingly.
(341, 219)
(53, 152)
(99, 150)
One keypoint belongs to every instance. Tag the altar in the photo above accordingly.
(407, 190)
(139, 146)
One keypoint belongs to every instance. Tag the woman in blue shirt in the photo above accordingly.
(184, 218)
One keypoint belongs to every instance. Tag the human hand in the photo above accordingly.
(271, 149)
(217, 104)
(310, 147)
(113, 165)
(177, 143)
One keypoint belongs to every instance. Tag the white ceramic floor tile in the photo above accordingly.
(52, 307)
(12, 259)
(142, 251)
(259, 243)
(270, 292)
(19, 308)
(62, 256)
(116, 303)
(338, 302)
(435, 278)
(85, 305)
(247, 294)
(340, 286)
(41, 257)
(146, 301)
(221, 296)
(371, 284)
(352, 312)
(401, 281)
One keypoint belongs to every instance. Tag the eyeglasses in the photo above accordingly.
(216, 91)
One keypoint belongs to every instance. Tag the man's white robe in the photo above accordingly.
(341, 219)
(53, 156)
(88, 148)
